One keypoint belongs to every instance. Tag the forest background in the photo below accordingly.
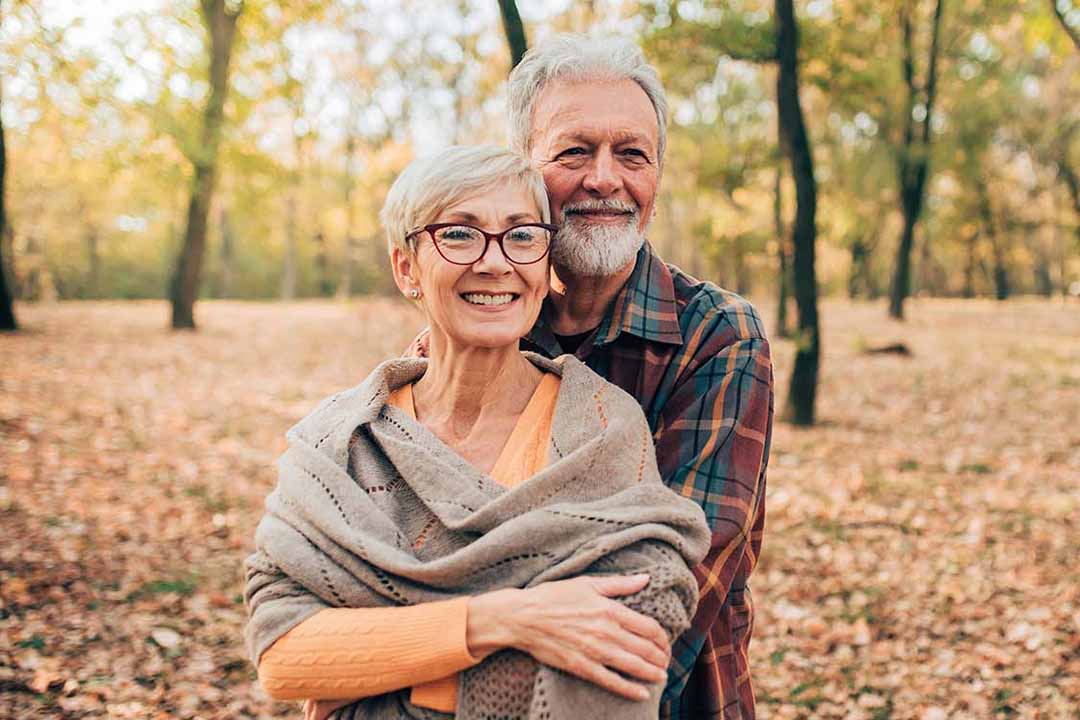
(913, 159)
(103, 112)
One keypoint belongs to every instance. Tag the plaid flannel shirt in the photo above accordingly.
(696, 358)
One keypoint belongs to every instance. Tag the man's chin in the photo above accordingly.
(594, 255)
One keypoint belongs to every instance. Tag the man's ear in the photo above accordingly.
(404, 267)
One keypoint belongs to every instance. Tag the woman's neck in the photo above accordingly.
(462, 384)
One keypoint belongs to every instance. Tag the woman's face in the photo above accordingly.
(491, 303)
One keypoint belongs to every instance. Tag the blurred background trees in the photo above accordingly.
(945, 140)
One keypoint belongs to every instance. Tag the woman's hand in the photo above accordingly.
(575, 626)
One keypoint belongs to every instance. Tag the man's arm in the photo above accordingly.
(712, 439)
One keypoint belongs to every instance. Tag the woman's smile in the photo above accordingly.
(490, 301)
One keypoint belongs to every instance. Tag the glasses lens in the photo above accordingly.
(459, 243)
(526, 243)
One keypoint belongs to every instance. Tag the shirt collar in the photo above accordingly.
(645, 307)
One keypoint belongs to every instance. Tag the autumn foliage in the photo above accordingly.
(920, 553)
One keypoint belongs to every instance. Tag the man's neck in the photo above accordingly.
(578, 303)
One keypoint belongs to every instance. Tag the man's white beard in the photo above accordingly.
(587, 250)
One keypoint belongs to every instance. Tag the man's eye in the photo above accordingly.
(572, 152)
(635, 154)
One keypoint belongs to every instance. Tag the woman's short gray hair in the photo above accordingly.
(430, 184)
(574, 58)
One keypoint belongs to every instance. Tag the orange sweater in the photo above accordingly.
(422, 646)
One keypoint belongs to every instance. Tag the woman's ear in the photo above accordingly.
(404, 267)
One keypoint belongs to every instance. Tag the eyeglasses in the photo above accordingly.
(465, 244)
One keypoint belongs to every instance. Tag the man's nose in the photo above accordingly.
(602, 178)
(493, 261)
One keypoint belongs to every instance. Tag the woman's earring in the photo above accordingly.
(414, 294)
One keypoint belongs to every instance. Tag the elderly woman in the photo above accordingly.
(483, 533)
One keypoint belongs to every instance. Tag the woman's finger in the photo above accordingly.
(597, 674)
(615, 585)
(644, 626)
(643, 646)
(612, 656)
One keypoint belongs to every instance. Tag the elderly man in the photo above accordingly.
(591, 115)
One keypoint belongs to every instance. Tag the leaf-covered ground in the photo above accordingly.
(921, 556)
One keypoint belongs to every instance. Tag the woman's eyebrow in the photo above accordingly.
(468, 217)
(464, 216)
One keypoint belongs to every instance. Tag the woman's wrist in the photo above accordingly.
(487, 629)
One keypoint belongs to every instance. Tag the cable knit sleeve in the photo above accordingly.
(343, 653)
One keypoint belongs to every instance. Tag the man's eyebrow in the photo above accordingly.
(619, 137)
(566, 137)
(626, 136)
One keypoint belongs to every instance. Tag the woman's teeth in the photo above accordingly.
(481, 299)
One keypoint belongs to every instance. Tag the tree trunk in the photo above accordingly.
(857, 276)
(796, 144)
(221, 26)
(288, 275)
(969, 267)
(901, 282)
(1069, 175)
(322, 264)
(293, 213)
(344, 290)
(1001, 276)
(1061, 248)
(228, 253)
(742, 277)
(7, 312)
(515, 31)
(1069, 30)
(1044, 281)
(914, 164)
(783, 280)
(986, 213)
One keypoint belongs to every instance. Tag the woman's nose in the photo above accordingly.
(493, 261)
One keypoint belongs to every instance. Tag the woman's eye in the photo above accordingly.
(457, 236)
(521, 237)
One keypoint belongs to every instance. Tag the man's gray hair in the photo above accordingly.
(576, 58)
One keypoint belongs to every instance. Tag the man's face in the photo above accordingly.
(596, 144)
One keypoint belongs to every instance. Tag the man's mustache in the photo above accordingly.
(592, 206)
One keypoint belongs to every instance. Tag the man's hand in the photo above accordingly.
(418, 348)
(575, 626)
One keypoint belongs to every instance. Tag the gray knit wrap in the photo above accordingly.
(373, 510)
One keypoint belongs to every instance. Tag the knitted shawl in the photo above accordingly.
(372, 510)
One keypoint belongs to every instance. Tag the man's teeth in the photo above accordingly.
(480, 299)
